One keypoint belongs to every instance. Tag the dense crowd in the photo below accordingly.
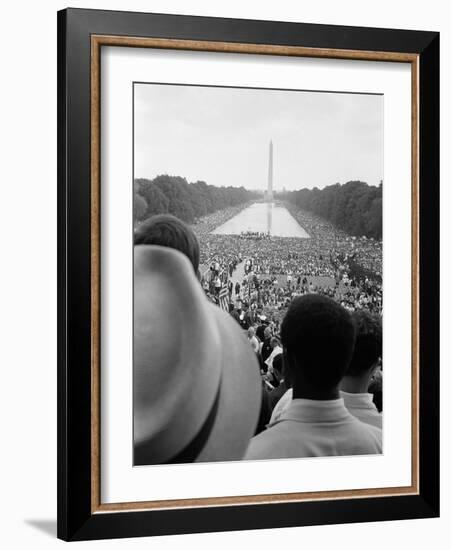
(265, 274)
(313, 330)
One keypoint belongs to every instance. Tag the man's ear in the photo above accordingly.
(374, 366)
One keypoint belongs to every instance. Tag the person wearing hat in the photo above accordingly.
(318, 337)
(196, 382)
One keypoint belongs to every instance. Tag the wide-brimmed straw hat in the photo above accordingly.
(196, 380)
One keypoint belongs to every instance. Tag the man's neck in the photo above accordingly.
(355, 384)
(315, 394)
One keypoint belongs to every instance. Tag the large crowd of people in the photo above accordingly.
(311, 311)
(275, 270)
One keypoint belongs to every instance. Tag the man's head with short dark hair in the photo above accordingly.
(368, 343)
(318, 336)
(167, 230)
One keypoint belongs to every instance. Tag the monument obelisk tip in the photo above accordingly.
(270, 172)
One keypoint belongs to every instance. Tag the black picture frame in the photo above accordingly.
(76, 520)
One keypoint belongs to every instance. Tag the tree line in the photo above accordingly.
(188, 201)
(354, 207)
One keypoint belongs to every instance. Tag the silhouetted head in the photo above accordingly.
(318, 336)
(368, 343)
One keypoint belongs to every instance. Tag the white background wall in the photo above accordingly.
(28, 270)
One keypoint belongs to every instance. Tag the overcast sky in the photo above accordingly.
(221, 136)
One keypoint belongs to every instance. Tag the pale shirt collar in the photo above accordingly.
(358, 400)
(315, 410)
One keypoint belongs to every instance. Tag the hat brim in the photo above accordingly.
(240, 394)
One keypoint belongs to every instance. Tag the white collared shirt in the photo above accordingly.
(359, 405)
(276, 351)
(362, 407)
(281, 405)
(309, 428)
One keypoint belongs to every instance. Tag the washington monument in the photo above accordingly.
(269, 192)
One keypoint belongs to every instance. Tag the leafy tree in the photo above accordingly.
(139, 207)
(354, 207)
(187, 201)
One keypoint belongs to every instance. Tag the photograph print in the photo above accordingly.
(257, 324)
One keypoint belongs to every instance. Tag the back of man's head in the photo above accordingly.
(318, 336)
(167, 230)
(368, 343)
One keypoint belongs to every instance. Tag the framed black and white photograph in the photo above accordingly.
(248, 274)
(258, 246)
